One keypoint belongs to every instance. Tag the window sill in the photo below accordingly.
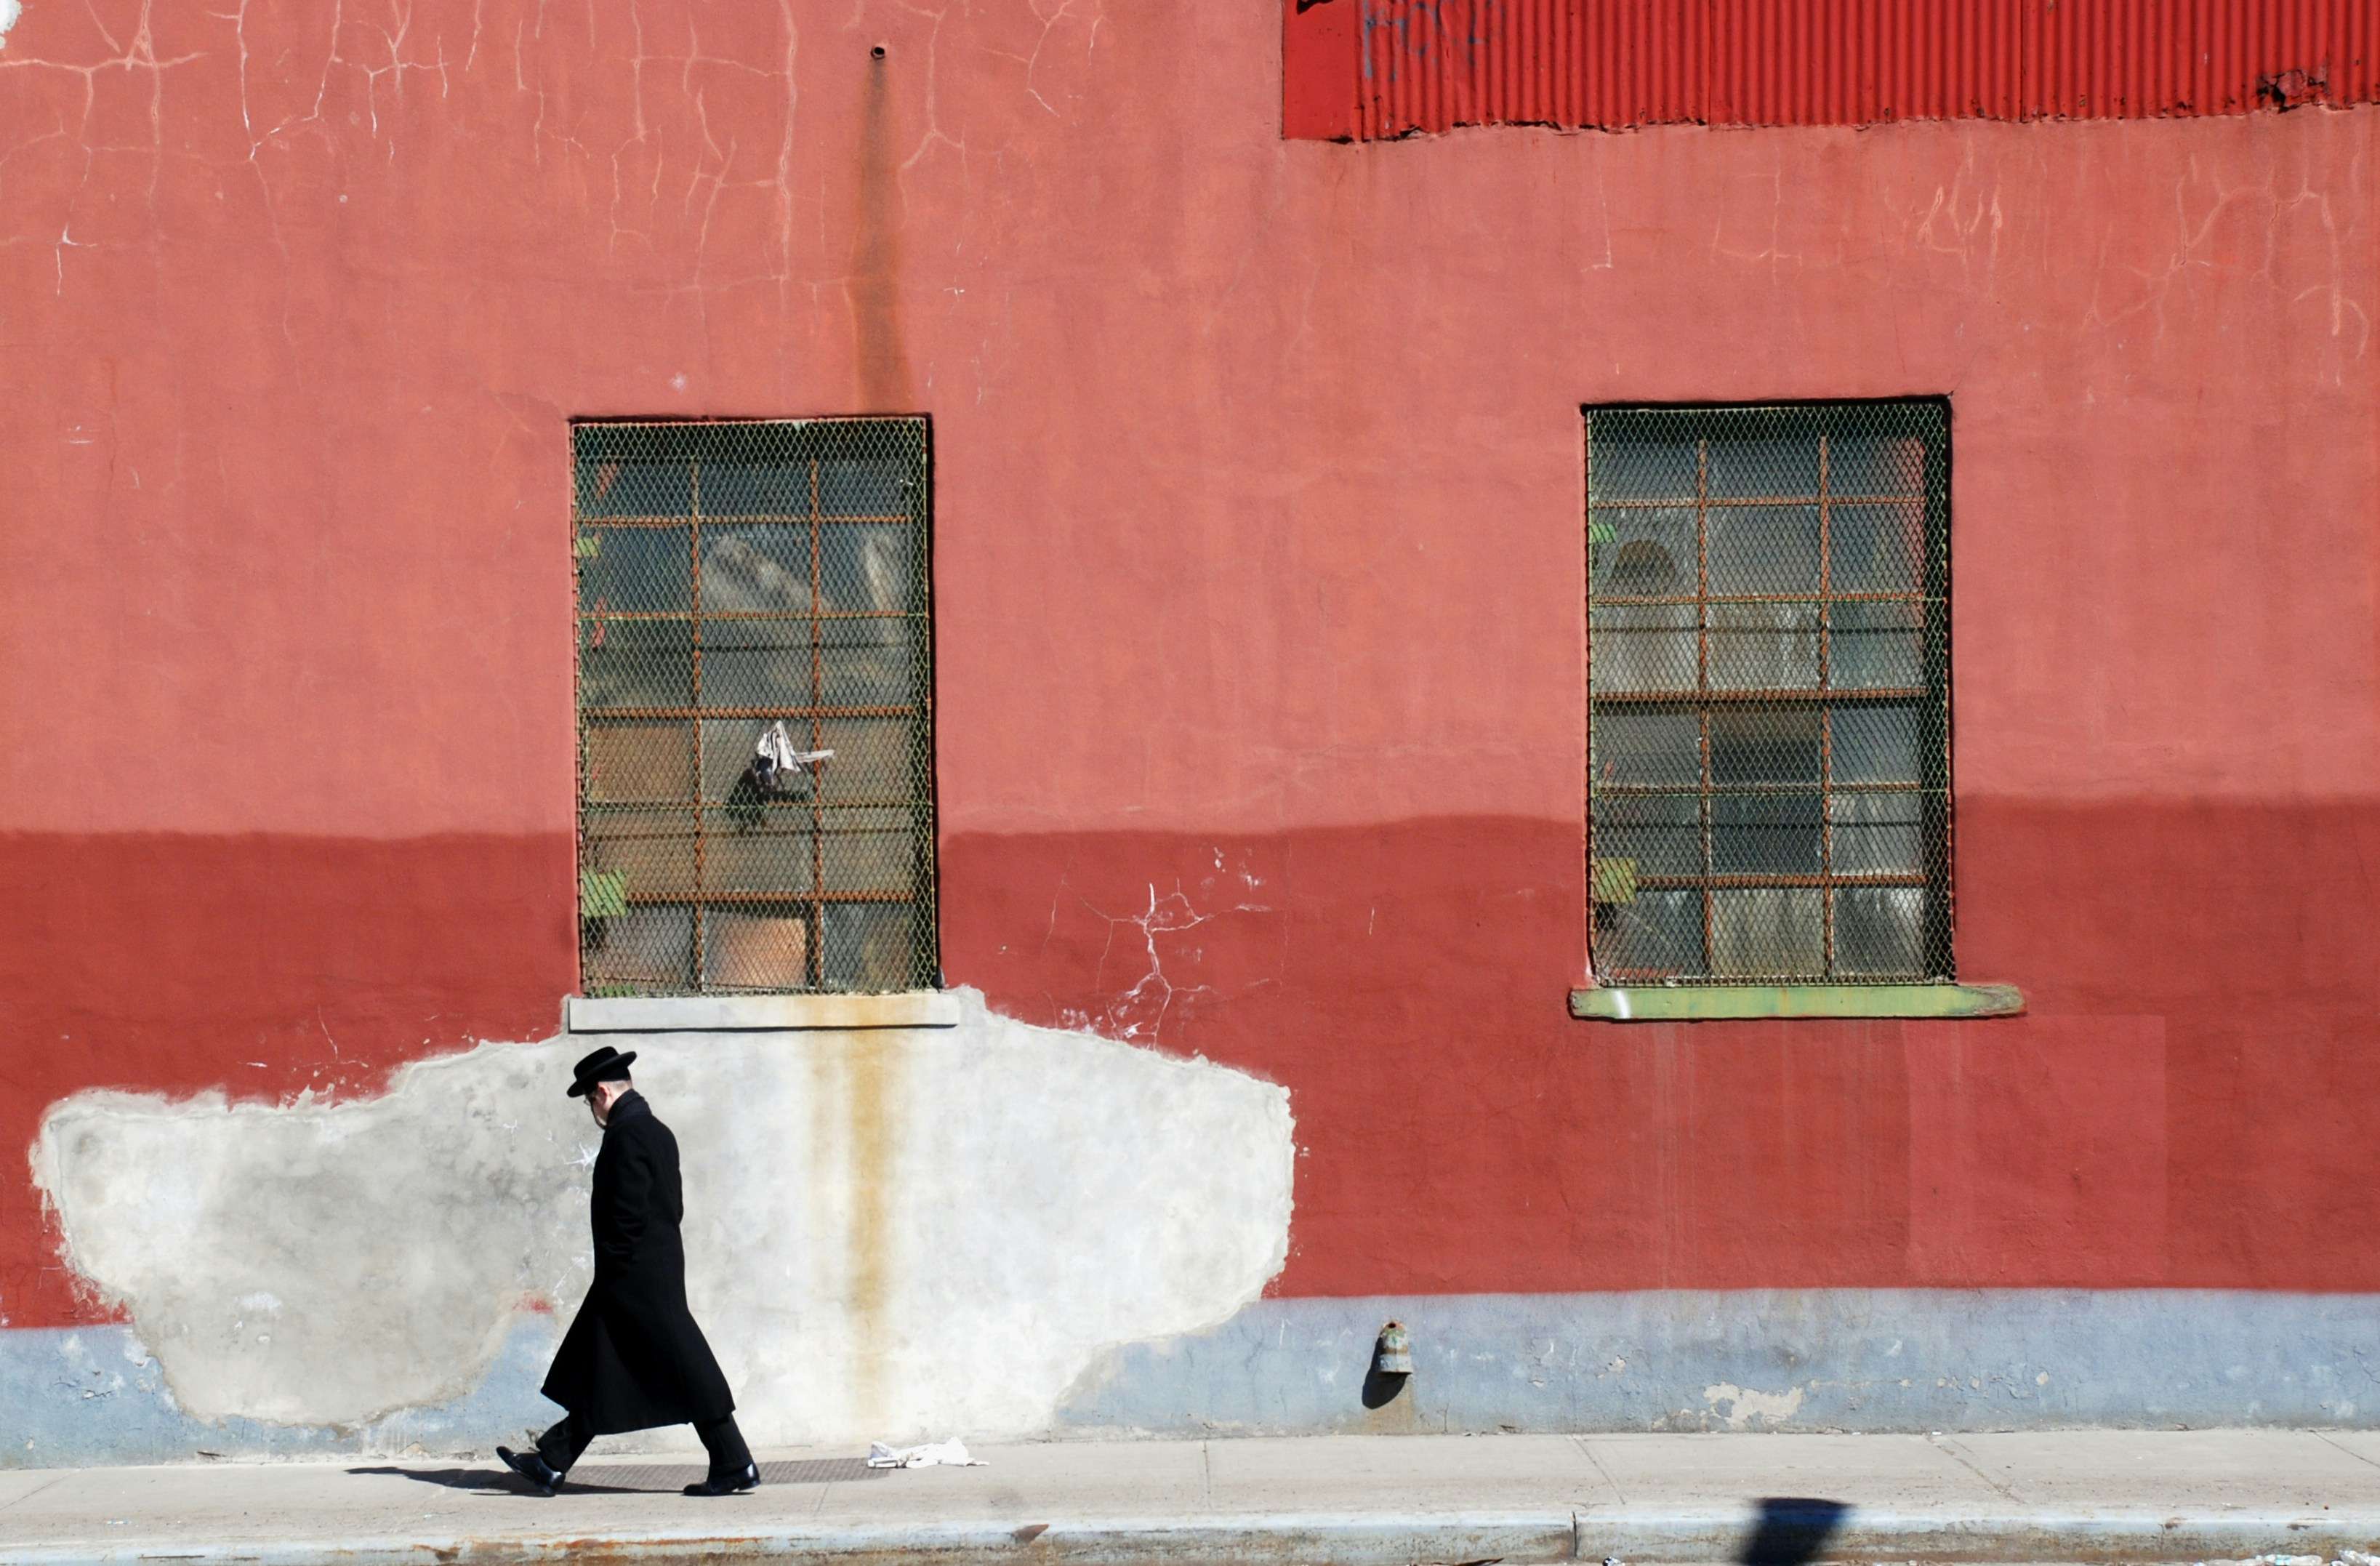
(759, 1014)
(1718, 1002)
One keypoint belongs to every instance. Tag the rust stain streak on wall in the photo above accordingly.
(882, 357)
(869, 1070)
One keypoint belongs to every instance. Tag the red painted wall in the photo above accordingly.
(1258, 586)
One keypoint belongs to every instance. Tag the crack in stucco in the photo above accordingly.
(1168, 915)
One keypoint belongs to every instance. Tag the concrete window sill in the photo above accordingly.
(1718, 1002)
(759, 1014)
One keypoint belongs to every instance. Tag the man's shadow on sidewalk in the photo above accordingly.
(627, 1478)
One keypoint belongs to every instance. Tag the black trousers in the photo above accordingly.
(559, 1447)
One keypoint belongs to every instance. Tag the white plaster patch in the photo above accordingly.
(9, 11)
(888, 1233)
(1743, 1405)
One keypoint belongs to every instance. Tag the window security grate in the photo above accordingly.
(1768, 736)
(756, 802)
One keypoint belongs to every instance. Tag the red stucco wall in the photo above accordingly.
(1258, 594)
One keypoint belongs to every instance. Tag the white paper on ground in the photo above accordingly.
(933, 1454)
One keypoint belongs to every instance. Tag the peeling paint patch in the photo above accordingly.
(9, 11)
(1739, 1407)
(888, 1233)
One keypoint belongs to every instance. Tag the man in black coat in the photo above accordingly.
(633, 1357)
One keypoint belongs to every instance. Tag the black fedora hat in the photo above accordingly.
(606, 1065)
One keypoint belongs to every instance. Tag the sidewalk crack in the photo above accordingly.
(29, 1495)
(1207, 1475)
(2350, 1451)
(1580, 1442)
(1950, 1449)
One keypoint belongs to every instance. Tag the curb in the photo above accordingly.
(1778, 1533)
(1773, 1535)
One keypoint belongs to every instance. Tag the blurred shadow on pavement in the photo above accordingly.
(1793, 1531)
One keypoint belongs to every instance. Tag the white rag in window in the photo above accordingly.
(775, 748)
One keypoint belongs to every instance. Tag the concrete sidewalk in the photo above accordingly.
(2068, 1497)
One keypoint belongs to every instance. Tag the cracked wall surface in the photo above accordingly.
(897, 1231)
(1260, 664)
(427, 234)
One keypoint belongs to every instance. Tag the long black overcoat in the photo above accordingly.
(634, 1358)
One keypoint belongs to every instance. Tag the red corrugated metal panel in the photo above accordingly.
(1386, 67)
(1860, 62)
(2129, 58)
(1537, 62)
(1320, 69)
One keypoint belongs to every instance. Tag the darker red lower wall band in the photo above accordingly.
(2184, 1103)
(258, 964)
(2180, 1106)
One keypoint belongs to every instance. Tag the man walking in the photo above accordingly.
(633, 1357)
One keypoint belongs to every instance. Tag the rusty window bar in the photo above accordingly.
(1657, 790)
(1726, 881)
(705, 554)
(759, 616)
(1656, 599)
(715, 713)
(1796, 827)
(1825, 726)
(1722, 503)
(1771, 695)
(755, 519)
(765, 806)
(695, 912)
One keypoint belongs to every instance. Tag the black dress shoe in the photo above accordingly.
(744, 1478)
(533, 1468)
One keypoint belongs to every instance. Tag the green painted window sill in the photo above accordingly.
(1718, 1002)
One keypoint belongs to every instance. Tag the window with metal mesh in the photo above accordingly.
(756, 799)
(1769, 738)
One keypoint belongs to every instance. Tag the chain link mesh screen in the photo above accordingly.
(755, 707)
(1768, 740)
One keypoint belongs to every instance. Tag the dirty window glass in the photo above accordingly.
(755, 707)
(1768, 737)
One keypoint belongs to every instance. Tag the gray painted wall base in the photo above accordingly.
(1881, 1360)
(1814, 1359)
(85, 1395)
